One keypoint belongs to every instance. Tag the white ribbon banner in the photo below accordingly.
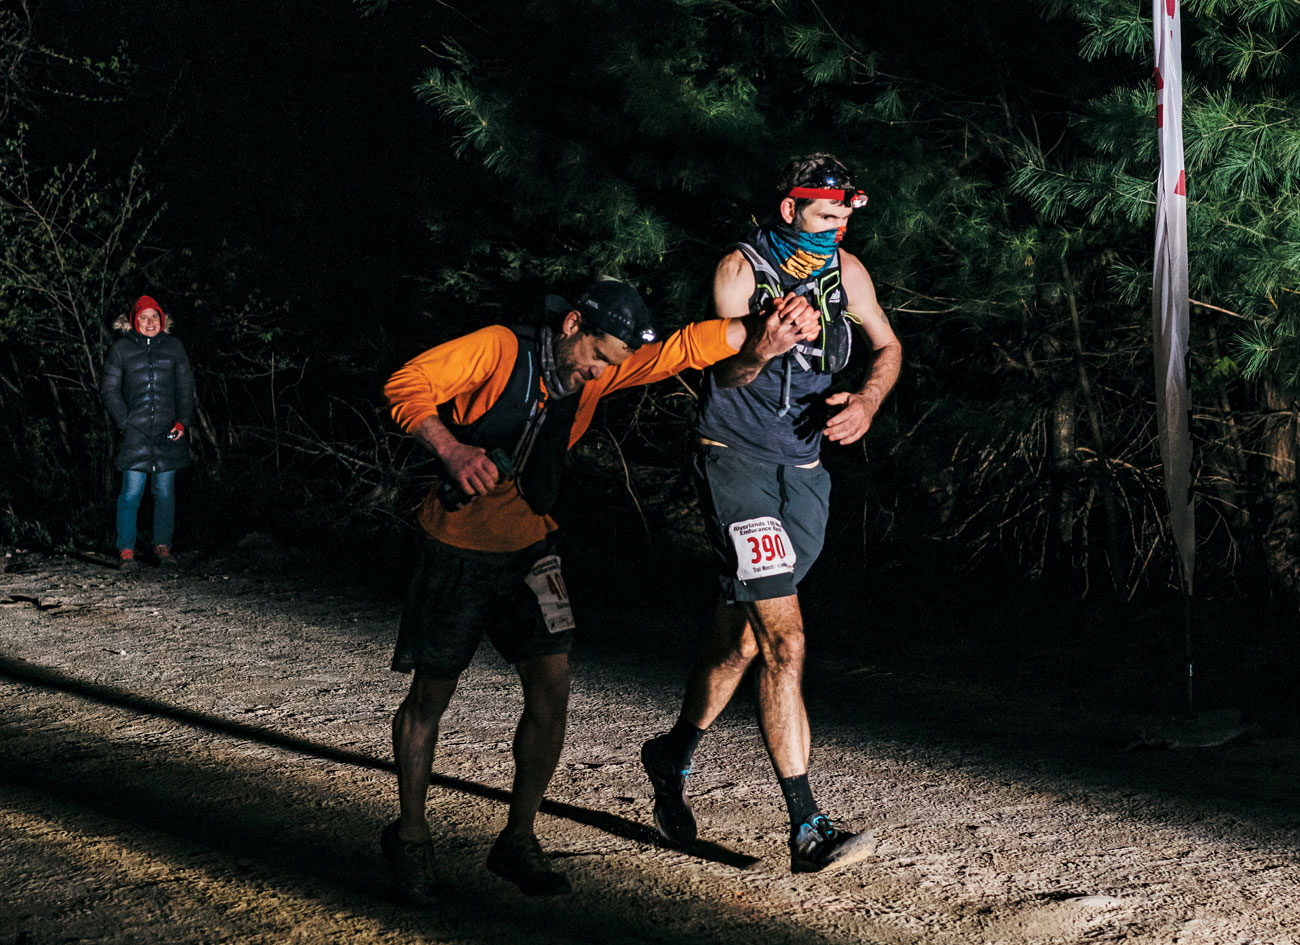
(1169, 296)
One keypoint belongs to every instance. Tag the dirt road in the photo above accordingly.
(203, 757)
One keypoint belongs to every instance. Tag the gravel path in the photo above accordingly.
(203, 757)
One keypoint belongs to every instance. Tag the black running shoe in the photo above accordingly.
(412, 867)
(819, 845)
(521, 860)
(673, 816)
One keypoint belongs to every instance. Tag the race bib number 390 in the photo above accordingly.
(547, 583)
(762, 548)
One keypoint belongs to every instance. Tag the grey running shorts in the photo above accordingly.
(517, 598)
(766, 522)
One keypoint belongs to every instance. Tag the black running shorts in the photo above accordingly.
(766, 522)
(518, 599)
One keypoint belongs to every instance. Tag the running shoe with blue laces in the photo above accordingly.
(673, 816)
(818, 845)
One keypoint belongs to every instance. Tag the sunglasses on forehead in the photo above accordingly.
(831, 186)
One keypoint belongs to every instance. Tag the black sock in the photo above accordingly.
(681, 741)
(798, 799)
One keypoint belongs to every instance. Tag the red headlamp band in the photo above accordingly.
(851, 198)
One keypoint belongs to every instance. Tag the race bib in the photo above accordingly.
(762, 548)
(546, 581)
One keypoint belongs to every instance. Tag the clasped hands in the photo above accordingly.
(790, 320)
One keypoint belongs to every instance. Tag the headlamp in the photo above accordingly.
(831, 186)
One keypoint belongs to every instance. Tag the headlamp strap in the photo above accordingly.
(852, 198)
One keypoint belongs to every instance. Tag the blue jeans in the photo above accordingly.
(164, 506)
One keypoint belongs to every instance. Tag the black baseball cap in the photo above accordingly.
(615, 308)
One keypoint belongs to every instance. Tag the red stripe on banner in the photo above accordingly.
(1181, 187)
(1160, 116)
(1170, 5)
(1160, 80)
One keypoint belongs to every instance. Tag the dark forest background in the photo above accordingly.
(317, 191)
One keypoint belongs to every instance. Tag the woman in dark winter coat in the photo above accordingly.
(148, 388)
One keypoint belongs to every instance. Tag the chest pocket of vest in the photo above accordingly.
(835, 343)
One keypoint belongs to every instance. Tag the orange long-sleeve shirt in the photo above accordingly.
(472, 371)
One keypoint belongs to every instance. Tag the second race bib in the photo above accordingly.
(546, 581)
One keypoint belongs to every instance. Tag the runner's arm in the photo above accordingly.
(467, 466)
(768, 334)
(698, 345)
(470, 371)
(858, 409)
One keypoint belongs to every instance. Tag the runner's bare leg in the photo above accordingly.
(415, 736)
(777, 625)
(718, 670)
(539, 737)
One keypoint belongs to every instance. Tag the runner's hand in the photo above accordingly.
(469, 467)
(850, 423)
(790, 321)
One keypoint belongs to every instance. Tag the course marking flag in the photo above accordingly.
(1169, 286)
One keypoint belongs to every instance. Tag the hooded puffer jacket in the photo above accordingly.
(147, 386)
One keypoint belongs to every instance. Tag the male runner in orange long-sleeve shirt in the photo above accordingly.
(520, 398)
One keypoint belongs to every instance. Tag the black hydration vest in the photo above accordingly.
(824, 291)
(532, 429)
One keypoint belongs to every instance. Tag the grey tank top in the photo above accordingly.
(750, 418)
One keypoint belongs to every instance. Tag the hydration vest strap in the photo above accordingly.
(759, 264)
